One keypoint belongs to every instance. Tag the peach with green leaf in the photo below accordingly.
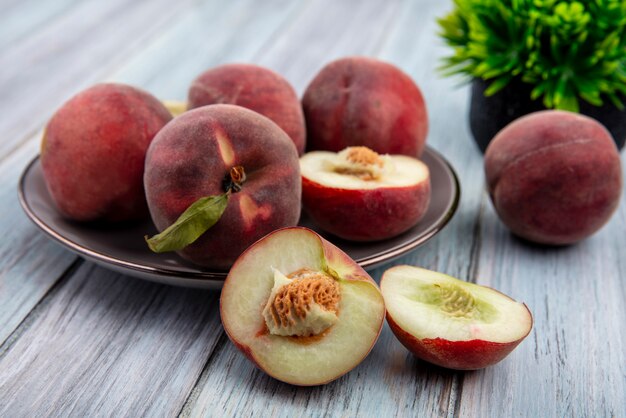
(217, 179)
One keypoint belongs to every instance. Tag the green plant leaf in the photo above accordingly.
(190, 225)
(539, 42)
(497, 85)
(569, 103)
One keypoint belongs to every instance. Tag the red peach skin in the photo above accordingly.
(363, 101)
(554, 177)
(365, 215)
(93, 152)
(255, 88)
(457, 355)
(192, 155)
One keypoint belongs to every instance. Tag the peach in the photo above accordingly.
(554, 177)
(360, 195)
(449, 322)
(93, 152)
(300, 308)
(363, 101)
(256, 88)
(194, 157)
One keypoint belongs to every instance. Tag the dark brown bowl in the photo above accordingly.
(123, 248)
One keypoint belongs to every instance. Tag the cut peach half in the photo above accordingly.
(300, 308)
(359, 195)
(449, 322)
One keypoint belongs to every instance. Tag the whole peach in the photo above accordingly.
(256, 88)
(93, 152)
(360, 101)
(191, 158)
(554, 177)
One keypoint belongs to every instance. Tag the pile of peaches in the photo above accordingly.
(225, 177)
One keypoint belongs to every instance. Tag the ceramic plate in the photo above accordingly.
(122, 248)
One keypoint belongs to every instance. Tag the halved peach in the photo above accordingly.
(449, 322)
(301, 309)
(359, 195)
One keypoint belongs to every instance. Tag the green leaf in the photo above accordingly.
(497, 85)
(594, 99)
(195, 221)
(569, 103)
(536, 41)
(538, 91)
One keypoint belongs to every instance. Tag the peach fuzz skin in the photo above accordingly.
(192, 155)
(255, 88)
(93, 152)
(336, 259)
(457, 355)
(363, 101)
(365, 215)
(554, 177)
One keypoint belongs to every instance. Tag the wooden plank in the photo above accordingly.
(375, 388)
(21, 19)
(390, 381)
(573, 363)
(30, 263)
(169, 64)
(24, 284)
(77, 49)
(134, 337)
(326, 31)
(106, 344)
(414, 47)
(566, 367)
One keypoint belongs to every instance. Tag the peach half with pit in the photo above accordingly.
(359, 195)
(300, 308)
(449, 322)
(217, 179)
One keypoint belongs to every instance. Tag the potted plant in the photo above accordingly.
(528, 55)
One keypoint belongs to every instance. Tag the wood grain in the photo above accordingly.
(237, 33)
(326, 30)
(66, 45)
(30, 263)
(42, 70)
(77, 340)
(108, 344)
(390, 381)
(573, 363)
(23, 284)
(21, 18)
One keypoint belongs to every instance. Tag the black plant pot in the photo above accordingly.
(490, 114)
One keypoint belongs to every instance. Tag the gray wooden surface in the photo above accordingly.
(78, 340)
